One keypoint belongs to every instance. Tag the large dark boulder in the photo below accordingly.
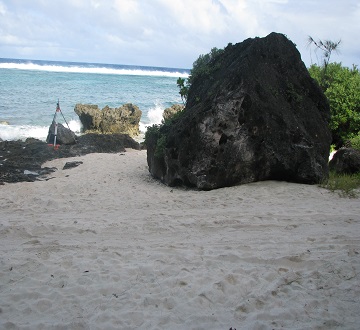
(122, 120)
(63, 135)
(253, 114)
(346, 161)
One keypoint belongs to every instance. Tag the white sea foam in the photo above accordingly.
(154, 116)
(22, 132)
(96, 70)
(75, 126)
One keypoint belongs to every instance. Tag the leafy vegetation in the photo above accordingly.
(341, 86)
(158, 133)
(327, 47)
(201, 67)
(355, 142)
(184, 89)
(153, 133)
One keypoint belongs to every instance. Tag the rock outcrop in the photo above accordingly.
(346, 161)
(21, 161)
(253, 114)
(172, 111)
(123, 120)
(63, 136)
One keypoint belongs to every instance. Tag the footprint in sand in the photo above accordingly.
(43, 305)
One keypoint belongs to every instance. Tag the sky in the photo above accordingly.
(170, 33)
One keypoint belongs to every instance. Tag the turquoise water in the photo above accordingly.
(29, 91)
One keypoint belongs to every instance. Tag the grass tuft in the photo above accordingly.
(345, 184)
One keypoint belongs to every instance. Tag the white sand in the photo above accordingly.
(104, 246)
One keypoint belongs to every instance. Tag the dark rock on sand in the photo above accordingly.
(346, 161)
(63, 136)
(21, 161)
(254, 114)
(71, 165)
(124, 120)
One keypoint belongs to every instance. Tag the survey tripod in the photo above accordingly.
(58, 110)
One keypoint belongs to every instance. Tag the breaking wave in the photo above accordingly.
(95, 68)
(22, 132)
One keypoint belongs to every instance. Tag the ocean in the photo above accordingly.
(30, 90)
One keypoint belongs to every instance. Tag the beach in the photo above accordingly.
(105, 246)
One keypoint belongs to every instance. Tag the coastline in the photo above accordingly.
(105, 246)
(110, 85)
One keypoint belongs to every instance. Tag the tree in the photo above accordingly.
(202, 66)
(326, 46)
(184, 89)
(341, 86)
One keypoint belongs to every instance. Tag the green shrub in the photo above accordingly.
(201, 67)
(341, 86)
(158, 133)
(152, 134)
(160, 146)
(355, 142)
(184, 89)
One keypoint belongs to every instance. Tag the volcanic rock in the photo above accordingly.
(63, 135)
(21, 161)
(254, 113)
(69, 165)
(123, 120)
(346, 161)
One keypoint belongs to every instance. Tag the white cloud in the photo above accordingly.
(166, 32)
(2, 9)
(201, 16)
(10, 39)
(127, 10)
(242, 15)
